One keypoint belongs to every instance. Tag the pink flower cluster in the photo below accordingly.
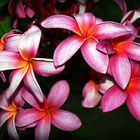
(109, 48)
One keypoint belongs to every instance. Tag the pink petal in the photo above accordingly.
(10, 60)
(29, 42)
(122, 5)
(2, 76)
(32, 84)
(30, 99)
(11, 128)
(135, 69)
(65, 120)
(11, 42)
(58, 93)
(85, 21)
(28, 116)
(109, 30)
(95, 59)
(113, 98)
(15, 79)
(104, 84)
(61, 21)
(132, 50)
(30, 12)
(91, 95)
(66, 49)
(105, 47)
(42, 131)
(20, 9)
(45, 67)
(4, 102)
(18, 100)
(120, 68)
(4, 116)
(133, 103)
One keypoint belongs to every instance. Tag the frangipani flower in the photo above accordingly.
(25, 63)
(88, 30)
(10, 109)
(115, 96)
(121, 50)
(48, 112)
(92, 91)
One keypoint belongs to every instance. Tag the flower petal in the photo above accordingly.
(91, 95)
(120, 68)
(42, 131)
(122, 5)
(61, 21)
(20, 9)
(11, 7)
(15, 79)
(132, 50)
(32, 84)
(85, 21)
(30, 12)
(113, 98)
(95, 59)
(58, 93)
(2, 76)
(66, 49)
(28, 116)
(45, 67)
(65, 120)
(133, 103)
(10, 60)
(11, 128)
(30, 99)
(109, 30)
(135, 69)
(29, 42)
(4, 116)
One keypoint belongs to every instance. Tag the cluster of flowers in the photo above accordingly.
(107, 47)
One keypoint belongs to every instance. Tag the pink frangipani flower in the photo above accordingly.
(114, 97)
(9, 111)
(88, 30)
(43, 114)
(25, 64)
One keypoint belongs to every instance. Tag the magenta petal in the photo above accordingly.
(28, 116)
(4, 102)
(109, 30)
(2, 76)
(30, 99)
(66, 49)
(113, 98)
(132, 50)
(15, 79)
(30, 13)
(29, 42)
(135, 69)
(11, 7)
(120, 68)
(11, 128)
(45, 67)
(32, 84)
(20, 9)
(91, 95)
(58, 93)
(85, 21)
(133, 103)
(42, 131)
(95, 59)
(65, 120)
(61, 21)
(122, 5)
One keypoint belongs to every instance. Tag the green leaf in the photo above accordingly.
(3, 2)
(5, 26)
